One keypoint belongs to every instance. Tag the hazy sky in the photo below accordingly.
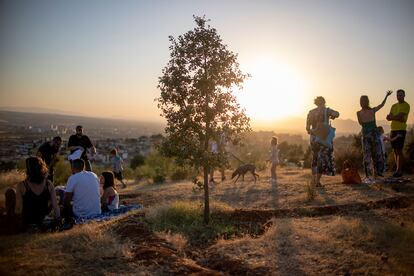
(103, 58)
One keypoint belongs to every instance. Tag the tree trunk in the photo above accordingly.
(206, 196)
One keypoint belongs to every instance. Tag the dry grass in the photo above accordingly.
(177, 240)
(372, 242)
(310, 191)
(90, 248)
(366, 244)
(9, 180)
(289, 191)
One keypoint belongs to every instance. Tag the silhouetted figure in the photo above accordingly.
(117, 167)
(274, 157)
(80, 141)
(35, 197)
(371, 137)
(48, 152)
(398, 116)
(322, 155)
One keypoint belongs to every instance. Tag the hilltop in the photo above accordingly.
(258, 228)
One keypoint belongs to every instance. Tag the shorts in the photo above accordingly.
(118, 175)
(398, 144)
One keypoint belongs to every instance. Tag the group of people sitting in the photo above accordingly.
(36, 197)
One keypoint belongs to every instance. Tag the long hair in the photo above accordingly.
(36, 170)
(273, 142)
(109, 180)
(364, 102)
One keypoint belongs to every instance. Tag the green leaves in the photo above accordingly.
(197, 101)
(196, 95)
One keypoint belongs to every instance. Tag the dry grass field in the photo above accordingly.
(263, 228)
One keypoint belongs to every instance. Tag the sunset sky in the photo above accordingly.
(103, 58)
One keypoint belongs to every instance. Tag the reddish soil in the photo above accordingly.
(148, 249)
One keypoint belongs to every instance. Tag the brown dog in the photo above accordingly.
(243, 169)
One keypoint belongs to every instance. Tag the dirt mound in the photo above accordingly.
(233, 266)
(149, 249)
(243, 216)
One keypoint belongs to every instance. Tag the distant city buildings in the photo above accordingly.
(19, 142)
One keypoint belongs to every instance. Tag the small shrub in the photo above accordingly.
(62, 171)
(159, 176)
(179, 174)
(136, 161)
(186, 218)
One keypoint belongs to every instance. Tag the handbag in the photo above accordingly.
(325, 133)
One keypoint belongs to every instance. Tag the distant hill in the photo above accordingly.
(297, 125)
(95, 127)
(38, 110)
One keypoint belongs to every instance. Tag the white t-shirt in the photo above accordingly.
(86, 198)
(274, 154)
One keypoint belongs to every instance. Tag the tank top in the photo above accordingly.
(113, 201)
(368, 127)
(35, 207)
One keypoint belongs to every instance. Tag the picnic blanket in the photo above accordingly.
(123, 209)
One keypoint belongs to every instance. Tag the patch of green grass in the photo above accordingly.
(186, 218)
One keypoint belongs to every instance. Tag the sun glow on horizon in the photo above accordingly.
(274, 91)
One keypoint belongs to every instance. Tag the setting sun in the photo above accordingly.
(274, 91)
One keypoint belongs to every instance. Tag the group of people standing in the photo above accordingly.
(36, 196)
(374, 155)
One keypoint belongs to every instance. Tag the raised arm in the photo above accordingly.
(389, 92)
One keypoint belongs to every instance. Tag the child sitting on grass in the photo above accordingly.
(110, 197)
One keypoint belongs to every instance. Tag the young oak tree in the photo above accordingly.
(197, 101)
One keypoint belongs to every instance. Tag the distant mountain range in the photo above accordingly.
(38, 110)
(42, 118)
(298, 125)
(98, 127)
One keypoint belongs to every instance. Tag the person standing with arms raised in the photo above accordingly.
(80, 141)
(371, 139)
(398, 116)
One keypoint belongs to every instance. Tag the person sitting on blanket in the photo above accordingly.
(110, 197)
(83, 189)
(34, 198)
